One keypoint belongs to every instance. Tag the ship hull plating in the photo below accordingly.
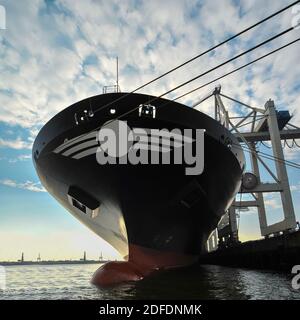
(153, 214)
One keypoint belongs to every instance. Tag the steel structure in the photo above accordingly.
(263, 124)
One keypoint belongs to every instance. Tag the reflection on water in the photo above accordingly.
(197, 282)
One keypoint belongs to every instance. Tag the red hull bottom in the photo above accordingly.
(141, 263)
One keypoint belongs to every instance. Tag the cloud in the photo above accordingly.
(24, 157)
(15, 144)
(273, 203)
(291, 153)
(295, 188)
(78, 43)
(40, 80)
(21, 157)
(28, 185)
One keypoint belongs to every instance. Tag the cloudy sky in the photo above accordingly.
(56, 52)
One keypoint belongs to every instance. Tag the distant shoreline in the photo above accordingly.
(55, 262)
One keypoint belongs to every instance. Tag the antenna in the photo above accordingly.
(115, 87)
(117, 74)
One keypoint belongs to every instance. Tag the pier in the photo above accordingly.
(277, 253)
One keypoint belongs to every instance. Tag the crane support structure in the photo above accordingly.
(260, 124)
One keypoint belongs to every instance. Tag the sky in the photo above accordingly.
(54, 53)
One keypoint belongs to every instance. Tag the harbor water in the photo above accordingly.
(197, 282)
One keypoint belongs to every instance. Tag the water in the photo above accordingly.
(201, 282)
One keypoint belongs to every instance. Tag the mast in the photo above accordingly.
(117, 74)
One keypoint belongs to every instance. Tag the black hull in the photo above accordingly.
(156, 207)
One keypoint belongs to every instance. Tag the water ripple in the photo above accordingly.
(199, 282)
